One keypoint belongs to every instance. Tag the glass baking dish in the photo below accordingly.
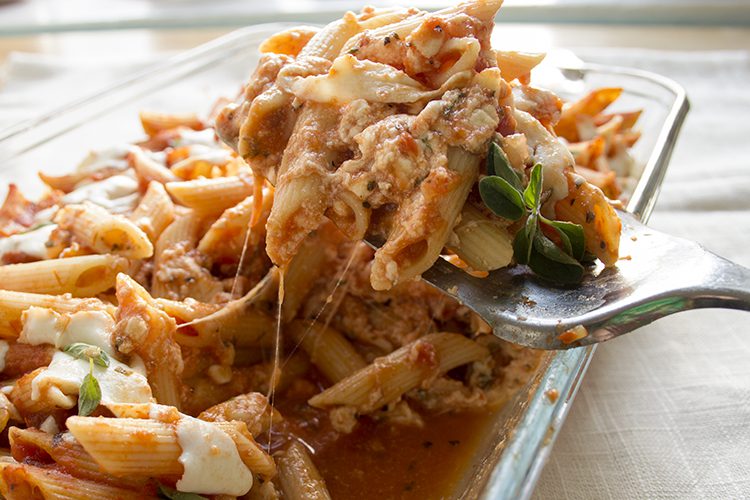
(519, 439)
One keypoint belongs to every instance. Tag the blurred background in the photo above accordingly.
(28, 16)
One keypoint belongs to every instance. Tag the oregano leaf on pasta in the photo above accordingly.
(501, 197)
(82, 350)
(533, 193)
(498, 164)
(173, 494)
(90, 393)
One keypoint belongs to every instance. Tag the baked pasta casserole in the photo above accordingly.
(194, 314)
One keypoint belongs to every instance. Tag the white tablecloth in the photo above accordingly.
(665, 412)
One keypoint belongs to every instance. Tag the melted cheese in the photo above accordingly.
(112, 157)
(211, 460)
(59, 382)
(45, 326)
(550, 152)
(117, 193)
(49, 425)
(205, 137)
(3, 352)
(32, 243)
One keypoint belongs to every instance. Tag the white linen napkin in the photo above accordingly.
(664, 412)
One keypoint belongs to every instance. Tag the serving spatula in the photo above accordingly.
(657, 275)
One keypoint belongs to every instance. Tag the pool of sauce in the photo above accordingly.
(382, 461)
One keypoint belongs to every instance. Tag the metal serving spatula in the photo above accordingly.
(657, 275)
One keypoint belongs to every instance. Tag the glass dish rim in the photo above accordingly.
(516, 472)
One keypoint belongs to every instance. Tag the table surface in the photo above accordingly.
(29, 16)
(538, 37)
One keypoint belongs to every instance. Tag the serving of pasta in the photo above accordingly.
(195, 315)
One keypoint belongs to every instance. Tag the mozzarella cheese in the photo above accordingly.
(211, 461)
(60, 381)
(49, 425)
(32, 243)
(45, 326)
(117, 193)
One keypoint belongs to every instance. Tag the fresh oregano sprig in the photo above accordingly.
(172, 494)
(81, 350)
(90, 392)
(503, 193)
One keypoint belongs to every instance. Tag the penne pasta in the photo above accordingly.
(149, 170)
(483, 243)
(586, 205)
(224, 240)
(25, 481)
(387, 379)
(211, 195)
(110, 441)
(298, 477)
(434, 210)
(328, 349)
(154, 212)
(153, 123)
(94, 227)
(83, 276)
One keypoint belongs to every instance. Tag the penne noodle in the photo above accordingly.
(94, 227)
(483, 243)
(224, 240)
(211, 195)
(304, 270)
(154, 123)
(253, 409)
(148, 170)
(82, 276)
(129, 446)
(252, 455)
(424, 223)
(68, 454)
(586, 205)
(328, 349)
(147, 331)
(388, 378)
(515, 65)
(26, 481)
(298, 477)
(154, 212)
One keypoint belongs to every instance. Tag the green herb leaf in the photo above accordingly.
(498, 164)
(549, 261)
(501, 197)
(523, 242)
(89, 394)
(533, 192)
(81, 350)
(572, 236)
(173, 494)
